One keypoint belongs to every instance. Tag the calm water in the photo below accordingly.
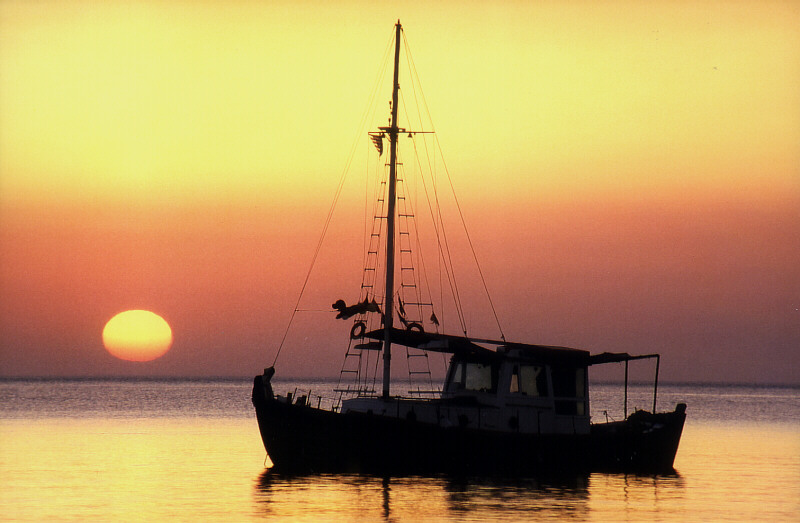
(144, 450)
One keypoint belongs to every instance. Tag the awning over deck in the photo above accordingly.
(469, 348)
(616, 357)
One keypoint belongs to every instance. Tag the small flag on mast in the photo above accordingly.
(377, 139)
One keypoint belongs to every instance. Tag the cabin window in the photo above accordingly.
(457, 377)
(530, 380)
(569, 382)
(569, 389)
(478, 377)
(474, 376)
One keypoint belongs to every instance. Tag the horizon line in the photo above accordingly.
(152, 378)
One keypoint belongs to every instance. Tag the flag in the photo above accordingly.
(377, 139)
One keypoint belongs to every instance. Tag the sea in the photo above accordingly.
(189, 450)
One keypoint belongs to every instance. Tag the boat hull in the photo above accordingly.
(301, 438)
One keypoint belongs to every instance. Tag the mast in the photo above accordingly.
(388, 306)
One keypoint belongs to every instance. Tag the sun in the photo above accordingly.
(137, 335)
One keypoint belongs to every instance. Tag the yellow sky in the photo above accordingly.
(635, 166)
(197, 101)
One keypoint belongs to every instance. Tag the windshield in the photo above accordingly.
(480, 377)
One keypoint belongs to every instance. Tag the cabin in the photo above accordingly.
(533, 389)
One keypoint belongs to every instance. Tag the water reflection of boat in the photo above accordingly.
(339, 496)
(513, 408)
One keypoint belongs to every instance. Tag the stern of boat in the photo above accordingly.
(644, 442)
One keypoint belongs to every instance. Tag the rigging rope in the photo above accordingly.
(338, 193)
(436, 217)
(441, 242)
(412, 65)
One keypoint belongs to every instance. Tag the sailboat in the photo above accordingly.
(504, 407)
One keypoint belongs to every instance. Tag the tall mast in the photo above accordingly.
(388, 306)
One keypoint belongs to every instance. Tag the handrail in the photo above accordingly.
(608, 357)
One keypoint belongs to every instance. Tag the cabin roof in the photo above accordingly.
(617, 357)
(468, 348)
(551, 353)
(433, 342)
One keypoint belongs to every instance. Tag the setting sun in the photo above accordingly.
(137, 335)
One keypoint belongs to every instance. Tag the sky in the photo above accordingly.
(629, 173)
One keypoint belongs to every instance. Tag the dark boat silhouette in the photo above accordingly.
(504, 408)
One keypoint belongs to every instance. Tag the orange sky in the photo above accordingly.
(630, 173)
